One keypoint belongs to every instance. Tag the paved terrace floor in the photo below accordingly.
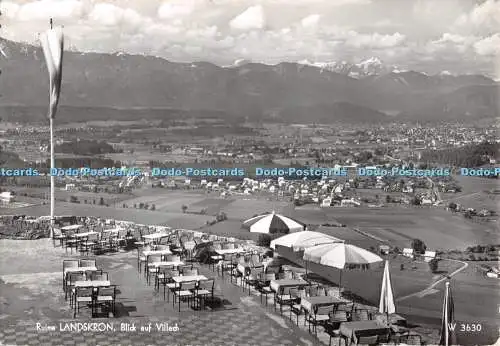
(31, 292)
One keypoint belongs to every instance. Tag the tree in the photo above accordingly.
(153, 207)
(433, 265)
(141, 205)
(184, 208)
(73, 199)
(388, 199)
(452, 206)
(101, 201)
(418, 246)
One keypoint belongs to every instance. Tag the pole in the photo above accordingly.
(446, 333)
(52, 178)
(52, 165)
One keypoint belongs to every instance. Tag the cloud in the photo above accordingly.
(418, 32)
(9, 9)
(483, 18)
(375, 40)
(310, 21)
(171, 10)
(489, 46)
(45, 9)
(251, 18)
(110, 15)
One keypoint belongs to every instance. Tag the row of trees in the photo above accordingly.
(468, 156)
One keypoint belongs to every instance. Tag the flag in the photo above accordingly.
(448, 336)
(53, 44)
(386, 305)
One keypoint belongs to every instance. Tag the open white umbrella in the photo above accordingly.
(273, 223)
(302, 240)
(338, 255)
(386, 305)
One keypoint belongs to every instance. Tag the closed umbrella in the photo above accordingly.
(386, 305)
(448, 336)
(273, 223)
(338, 255)
(302, 240)
(52, 42)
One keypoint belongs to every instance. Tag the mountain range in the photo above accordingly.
(308, 92)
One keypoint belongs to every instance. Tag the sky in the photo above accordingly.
(459, 36)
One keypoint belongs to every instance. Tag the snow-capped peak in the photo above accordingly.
(238, 63)
(363, 68)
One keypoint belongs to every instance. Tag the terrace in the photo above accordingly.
(148, 283)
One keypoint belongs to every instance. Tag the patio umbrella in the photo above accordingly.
(273, 223)
(386, 305)
(301, 240)
(448, 336)
(337, 255)
(52, 42)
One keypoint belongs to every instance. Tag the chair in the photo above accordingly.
(83, 295)
(190, 272)
(205, 289)
(70, 284)
(283, 298)
(71, 243)
(88, 263)
(68, 264)
(296, 308)
(151, 270)
(367, 340)
(263, 285)
(320, 316)
(163, 276)
(141, 258)
(360, 315)
(185, 292)
(89, 244)
(216, 257)
(251, 278)
(106, 296)
(411, 339)
(58, 235)
(96, 276)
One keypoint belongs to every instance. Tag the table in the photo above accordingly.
(155, 236)
(79, 269)
(223, 252)
(165, 252)
(84, 234)
(277, 284)
(112, 230)
(71, 228)
(188, 278)
(94, 284)
(166, 264)
(352, 330)
(310, 303)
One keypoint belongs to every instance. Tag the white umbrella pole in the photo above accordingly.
(340, 283)
(52, 178)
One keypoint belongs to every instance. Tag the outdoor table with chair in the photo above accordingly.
(223, 252)
(276, 285)
(188, 278)
(155, 237)
(308, 304)
(363, 332)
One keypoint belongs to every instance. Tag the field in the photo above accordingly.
(438, 228)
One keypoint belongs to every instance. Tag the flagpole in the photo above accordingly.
(52, 164)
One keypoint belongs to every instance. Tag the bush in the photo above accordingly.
(433, 265)
(264, 240)
(418, 246)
